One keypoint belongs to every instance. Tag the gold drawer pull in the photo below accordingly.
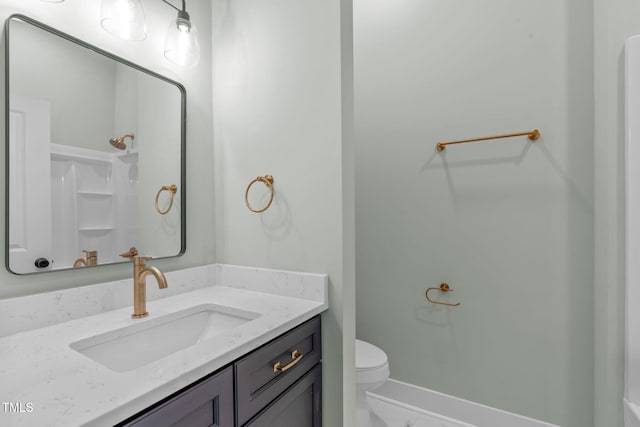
(295, 358)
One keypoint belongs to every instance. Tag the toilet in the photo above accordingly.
(372, 370)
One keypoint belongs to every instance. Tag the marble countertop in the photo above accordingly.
(43, 382)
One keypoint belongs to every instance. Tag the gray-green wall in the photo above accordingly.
(507, 224)
(281, 107)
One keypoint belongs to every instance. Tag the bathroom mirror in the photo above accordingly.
(95, 154)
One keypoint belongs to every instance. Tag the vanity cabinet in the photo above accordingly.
(207, 403)
(277, 384)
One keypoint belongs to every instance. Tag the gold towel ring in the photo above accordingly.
(444, 288)
(172, 191)
(268, 181)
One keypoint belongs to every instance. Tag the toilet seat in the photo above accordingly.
(368, 356)
(372, 364)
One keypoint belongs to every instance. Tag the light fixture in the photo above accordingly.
(124, 19)
(181, 44)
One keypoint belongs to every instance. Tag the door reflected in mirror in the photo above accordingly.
(93, 142)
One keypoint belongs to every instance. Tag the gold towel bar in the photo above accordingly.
(444, 288)
(172, 191)
(533, 135)
(268, 181)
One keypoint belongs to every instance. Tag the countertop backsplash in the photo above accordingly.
(35, 311)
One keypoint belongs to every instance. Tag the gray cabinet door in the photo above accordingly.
(300, 406)
(206, 404)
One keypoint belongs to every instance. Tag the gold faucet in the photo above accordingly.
(140, 273)
(89, 258)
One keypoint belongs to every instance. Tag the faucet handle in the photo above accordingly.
(131, 253)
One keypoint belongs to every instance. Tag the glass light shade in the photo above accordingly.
(181, 45)
(124, 19)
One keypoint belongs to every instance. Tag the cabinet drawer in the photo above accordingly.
(207, 404)
(258, 382)
(299, 406)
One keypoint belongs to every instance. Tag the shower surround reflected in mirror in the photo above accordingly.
(91, 138)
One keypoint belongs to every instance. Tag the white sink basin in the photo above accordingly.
(134, 346)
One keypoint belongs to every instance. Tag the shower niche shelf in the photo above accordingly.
(94, 211)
